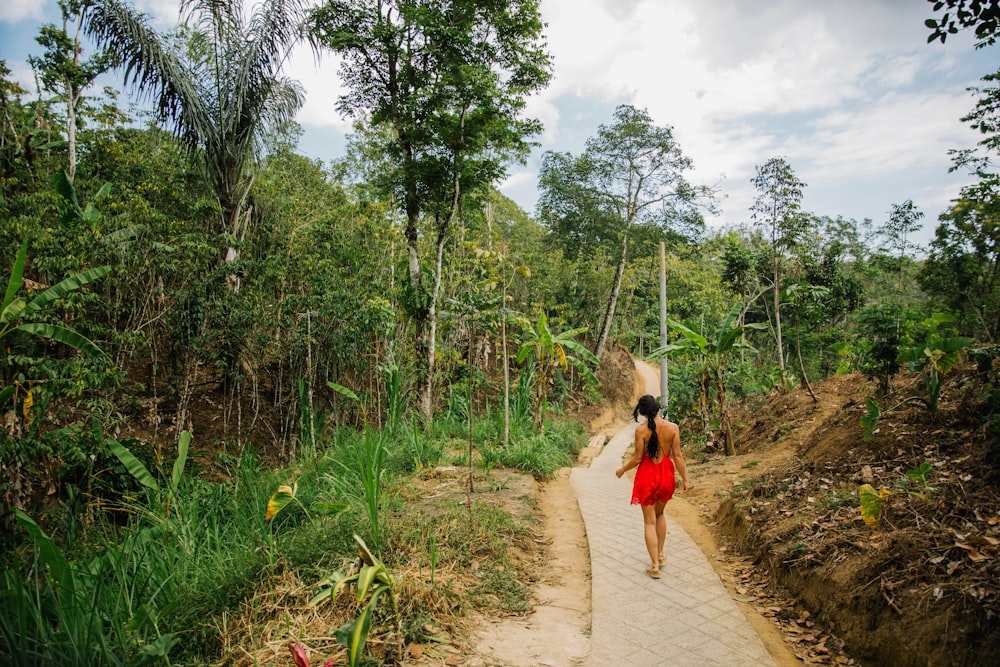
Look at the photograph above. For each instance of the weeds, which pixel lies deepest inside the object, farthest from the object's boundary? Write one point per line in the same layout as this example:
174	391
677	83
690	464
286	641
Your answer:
871	500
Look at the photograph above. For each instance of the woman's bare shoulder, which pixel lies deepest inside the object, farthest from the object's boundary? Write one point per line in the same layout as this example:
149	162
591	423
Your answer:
668	424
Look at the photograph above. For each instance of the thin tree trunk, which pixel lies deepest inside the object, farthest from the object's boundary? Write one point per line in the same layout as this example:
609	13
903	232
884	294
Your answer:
468	393
506	372
430	342
802	366
71	99
609	315
777	319
724	426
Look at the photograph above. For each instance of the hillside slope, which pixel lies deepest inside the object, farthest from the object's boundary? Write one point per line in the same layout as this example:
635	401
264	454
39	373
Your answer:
918	587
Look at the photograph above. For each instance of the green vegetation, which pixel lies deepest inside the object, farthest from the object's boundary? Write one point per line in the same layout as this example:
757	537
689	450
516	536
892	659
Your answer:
225	366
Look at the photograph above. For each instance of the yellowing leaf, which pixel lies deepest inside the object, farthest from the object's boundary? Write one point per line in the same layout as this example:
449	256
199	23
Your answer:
29	401
279	501
871	503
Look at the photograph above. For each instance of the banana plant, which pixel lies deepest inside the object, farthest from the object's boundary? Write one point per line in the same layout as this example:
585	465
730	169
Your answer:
712	355
16	311
142	474
548	350
934	357
372	581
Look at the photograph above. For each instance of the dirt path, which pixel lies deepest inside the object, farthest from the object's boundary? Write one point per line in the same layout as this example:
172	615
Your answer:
557	633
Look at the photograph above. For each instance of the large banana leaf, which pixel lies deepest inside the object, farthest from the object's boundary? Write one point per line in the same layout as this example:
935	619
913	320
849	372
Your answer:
63	335
12	311
134	465
50	555
68	285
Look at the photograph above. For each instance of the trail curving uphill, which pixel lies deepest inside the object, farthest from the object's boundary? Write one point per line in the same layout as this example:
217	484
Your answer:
596	606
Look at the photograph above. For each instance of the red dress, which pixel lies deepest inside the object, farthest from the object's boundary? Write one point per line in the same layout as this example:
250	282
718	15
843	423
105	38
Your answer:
653	481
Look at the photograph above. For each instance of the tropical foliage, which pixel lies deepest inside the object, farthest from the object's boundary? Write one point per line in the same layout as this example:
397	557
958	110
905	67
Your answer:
222	360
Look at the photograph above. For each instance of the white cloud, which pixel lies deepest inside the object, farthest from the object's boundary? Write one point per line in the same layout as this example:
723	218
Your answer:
848	91
322	85
14	11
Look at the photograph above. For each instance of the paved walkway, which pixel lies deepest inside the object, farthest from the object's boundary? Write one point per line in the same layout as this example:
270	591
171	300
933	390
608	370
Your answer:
685	618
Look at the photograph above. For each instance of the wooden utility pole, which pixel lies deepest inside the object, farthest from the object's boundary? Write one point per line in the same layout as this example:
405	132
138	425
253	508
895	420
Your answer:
664	375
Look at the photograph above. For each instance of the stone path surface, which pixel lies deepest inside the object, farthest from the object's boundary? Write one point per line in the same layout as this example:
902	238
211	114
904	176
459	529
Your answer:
686	617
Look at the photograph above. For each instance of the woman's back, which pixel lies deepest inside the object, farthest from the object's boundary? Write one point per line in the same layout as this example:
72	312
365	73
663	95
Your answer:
666	433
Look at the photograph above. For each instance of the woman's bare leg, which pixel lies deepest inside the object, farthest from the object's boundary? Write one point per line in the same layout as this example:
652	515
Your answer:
649	526
661	530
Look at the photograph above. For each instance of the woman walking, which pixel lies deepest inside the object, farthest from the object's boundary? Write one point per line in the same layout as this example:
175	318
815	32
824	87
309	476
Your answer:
657	453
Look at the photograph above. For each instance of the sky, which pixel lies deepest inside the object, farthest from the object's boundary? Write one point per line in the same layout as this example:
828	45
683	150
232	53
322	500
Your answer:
848	92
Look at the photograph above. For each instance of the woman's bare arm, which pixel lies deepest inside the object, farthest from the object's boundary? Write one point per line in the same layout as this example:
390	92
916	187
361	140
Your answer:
636	455
678	457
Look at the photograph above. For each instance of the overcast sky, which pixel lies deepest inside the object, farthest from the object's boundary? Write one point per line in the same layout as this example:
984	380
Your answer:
849	92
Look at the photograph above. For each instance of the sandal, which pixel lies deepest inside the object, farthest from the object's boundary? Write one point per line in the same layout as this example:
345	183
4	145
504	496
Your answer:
653	572
662	559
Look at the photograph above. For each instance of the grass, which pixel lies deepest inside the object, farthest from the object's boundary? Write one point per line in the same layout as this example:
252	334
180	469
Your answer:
199	582
764	486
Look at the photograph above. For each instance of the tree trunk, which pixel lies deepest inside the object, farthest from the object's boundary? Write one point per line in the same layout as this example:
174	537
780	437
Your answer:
724	426
777	319
609	315
802	366
71	99
506	373
430	339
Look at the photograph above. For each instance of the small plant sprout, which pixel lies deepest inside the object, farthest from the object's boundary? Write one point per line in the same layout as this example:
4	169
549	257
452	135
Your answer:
372	580
302	659
871	503
871	499
286	495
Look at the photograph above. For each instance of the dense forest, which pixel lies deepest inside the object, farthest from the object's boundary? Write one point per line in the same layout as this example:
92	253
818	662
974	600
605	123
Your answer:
199	322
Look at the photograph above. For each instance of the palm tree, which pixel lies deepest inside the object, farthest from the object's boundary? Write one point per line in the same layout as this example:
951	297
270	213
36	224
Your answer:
548	351
221	94
712	355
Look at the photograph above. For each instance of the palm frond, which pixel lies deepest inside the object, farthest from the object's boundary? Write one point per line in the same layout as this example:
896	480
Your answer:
152	67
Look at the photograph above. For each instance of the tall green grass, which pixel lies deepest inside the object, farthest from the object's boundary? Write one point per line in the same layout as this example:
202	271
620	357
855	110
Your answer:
153	582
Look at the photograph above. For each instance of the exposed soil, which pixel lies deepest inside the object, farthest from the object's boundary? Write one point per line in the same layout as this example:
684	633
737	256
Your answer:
920	586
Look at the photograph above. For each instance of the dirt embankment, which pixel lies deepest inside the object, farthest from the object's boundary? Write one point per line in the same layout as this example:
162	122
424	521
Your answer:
921	585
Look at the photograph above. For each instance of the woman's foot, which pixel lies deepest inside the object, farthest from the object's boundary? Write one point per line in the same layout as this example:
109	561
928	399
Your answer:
662	559
653	572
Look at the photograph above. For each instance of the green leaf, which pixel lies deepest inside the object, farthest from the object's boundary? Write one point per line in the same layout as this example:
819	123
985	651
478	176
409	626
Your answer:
582	351
159	647
353	636
919	474
63	288
104	191
132	464
12	311
343	391
329	509
65	188
16	278
182	451
63	335
366	577
696	338
869	420
585	371
49	554
6	393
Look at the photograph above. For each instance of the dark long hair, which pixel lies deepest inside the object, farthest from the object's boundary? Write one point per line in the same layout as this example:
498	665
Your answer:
649	407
